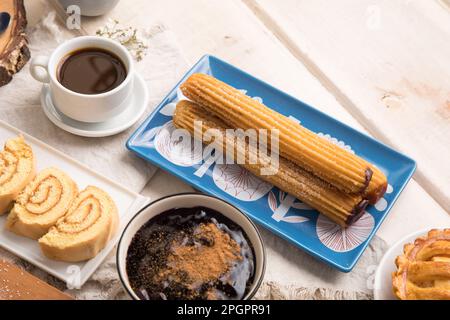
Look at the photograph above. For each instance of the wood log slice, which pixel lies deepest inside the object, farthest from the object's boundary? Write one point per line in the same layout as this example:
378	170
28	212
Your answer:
14	52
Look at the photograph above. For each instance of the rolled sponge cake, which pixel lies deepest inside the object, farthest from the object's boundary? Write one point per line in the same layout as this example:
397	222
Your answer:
17	169
42	203
84	231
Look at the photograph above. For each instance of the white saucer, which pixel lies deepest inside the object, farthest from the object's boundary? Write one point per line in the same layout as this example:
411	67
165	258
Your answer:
110	127
383	276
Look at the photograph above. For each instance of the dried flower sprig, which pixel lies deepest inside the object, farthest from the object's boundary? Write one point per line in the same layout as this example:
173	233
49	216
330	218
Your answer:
127	36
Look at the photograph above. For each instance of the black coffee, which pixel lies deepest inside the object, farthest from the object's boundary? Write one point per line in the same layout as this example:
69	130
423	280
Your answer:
91	71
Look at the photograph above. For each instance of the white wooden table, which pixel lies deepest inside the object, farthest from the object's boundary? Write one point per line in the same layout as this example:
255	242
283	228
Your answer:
381	66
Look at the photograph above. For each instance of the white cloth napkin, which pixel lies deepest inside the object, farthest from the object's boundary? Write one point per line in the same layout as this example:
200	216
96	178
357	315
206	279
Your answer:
20	104
294	274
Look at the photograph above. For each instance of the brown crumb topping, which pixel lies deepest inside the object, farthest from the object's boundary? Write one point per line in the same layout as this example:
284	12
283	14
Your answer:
211	256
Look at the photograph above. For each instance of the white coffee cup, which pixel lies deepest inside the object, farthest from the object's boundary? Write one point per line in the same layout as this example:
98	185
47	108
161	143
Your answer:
85	107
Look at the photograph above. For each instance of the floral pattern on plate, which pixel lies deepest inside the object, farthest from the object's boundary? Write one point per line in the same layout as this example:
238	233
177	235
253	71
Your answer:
239	182
176	148
146	139
341	239
283	205
382	204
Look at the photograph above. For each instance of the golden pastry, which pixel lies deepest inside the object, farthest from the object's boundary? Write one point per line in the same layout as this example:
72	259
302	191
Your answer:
17	168
39	206
423	271
84	231
303	147
340	207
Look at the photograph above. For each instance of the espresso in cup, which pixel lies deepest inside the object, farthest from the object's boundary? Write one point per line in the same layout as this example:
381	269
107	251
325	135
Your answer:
91	79
91	71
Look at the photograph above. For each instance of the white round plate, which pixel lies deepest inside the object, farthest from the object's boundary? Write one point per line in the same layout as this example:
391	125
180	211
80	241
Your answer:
383	276
110	127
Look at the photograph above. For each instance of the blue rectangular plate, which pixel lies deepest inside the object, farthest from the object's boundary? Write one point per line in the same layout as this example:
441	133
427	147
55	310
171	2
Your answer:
265	204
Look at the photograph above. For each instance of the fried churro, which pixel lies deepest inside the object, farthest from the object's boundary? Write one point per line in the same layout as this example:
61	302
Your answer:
340	207
340	168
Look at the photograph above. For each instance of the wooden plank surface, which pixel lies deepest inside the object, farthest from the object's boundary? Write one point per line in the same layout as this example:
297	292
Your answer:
387	62
255	49
6	6
230	31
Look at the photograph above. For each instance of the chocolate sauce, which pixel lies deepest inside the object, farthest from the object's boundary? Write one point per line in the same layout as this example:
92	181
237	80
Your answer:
156	265
91	71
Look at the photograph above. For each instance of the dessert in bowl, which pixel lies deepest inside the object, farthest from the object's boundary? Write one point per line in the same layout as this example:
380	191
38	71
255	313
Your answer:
190	247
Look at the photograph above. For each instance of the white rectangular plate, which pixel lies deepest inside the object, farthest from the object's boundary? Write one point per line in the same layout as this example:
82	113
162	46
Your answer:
128	203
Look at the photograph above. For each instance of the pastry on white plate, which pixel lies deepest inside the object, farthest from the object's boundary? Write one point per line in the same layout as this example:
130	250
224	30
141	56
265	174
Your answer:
42	203
84	231
17	169
423	270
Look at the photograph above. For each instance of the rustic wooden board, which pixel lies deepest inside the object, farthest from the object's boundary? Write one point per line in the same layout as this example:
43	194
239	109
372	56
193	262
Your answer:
386	62
14	53
7	6
17	284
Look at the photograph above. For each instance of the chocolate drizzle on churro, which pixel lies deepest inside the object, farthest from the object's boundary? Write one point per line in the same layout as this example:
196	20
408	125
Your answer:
357	211
368	174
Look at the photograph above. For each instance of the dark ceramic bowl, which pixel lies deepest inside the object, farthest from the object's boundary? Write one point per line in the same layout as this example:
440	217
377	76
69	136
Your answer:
189	200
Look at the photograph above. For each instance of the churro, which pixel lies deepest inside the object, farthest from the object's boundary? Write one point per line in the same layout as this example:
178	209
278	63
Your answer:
340	207
342	169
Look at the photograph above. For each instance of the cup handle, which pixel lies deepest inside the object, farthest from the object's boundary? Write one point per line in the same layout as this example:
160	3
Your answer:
39	69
